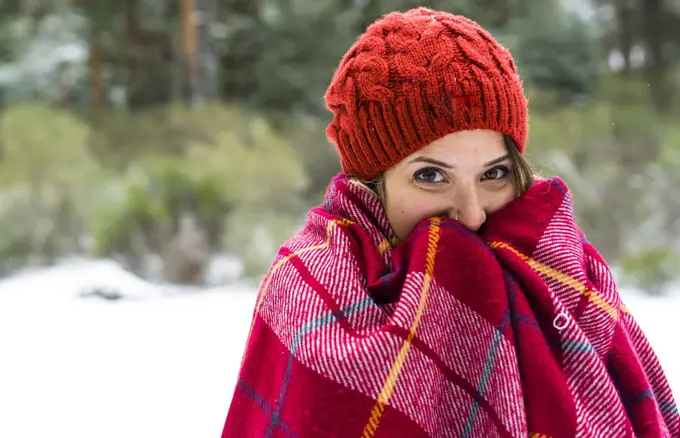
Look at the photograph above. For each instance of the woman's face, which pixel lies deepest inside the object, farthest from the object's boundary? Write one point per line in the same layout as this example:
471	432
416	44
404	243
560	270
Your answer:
466	176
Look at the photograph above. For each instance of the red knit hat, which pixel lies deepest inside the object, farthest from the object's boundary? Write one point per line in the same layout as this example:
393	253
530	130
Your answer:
414	77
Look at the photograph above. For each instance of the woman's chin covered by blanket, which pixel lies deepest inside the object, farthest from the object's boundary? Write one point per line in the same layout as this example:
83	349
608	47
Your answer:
442	289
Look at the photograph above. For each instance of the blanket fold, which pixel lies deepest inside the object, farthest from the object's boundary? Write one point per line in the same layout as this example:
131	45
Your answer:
517	332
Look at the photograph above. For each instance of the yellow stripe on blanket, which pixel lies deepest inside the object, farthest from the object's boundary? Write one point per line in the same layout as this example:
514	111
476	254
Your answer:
384	246
391	380
561	277
387	244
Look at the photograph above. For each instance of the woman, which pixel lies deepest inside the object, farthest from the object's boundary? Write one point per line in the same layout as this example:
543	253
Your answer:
441	290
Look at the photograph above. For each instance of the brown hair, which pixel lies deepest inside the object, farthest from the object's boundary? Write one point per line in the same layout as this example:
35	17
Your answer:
523	173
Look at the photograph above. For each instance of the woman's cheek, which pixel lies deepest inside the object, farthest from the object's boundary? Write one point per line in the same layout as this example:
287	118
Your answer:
501	200
413	211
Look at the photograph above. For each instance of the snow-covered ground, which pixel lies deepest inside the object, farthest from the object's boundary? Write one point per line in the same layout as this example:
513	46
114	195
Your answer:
156	364
160	364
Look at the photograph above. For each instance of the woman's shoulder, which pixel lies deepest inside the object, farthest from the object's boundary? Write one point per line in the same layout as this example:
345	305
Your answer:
321	232
317	262
320	248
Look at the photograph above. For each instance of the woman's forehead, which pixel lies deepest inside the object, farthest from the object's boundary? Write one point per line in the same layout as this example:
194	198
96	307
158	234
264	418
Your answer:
479	145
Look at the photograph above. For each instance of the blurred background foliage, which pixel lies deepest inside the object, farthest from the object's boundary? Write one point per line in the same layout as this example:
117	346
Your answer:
166	133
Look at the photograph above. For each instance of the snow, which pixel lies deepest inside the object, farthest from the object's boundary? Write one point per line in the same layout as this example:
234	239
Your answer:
158	362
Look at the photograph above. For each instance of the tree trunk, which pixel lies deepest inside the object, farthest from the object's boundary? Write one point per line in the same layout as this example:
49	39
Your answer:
148	61
657	67
199	58
207	61
625	32
188	17
96	80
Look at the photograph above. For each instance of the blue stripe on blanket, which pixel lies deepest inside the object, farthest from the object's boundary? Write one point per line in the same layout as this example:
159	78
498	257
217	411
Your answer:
578	346
262	403
509	317
486	372
330	196
631	399
669	407
317	323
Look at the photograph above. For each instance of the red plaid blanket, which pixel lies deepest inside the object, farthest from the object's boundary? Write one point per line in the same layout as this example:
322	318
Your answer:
517	332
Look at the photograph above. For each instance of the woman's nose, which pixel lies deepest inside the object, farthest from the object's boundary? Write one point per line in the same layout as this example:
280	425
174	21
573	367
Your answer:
469	210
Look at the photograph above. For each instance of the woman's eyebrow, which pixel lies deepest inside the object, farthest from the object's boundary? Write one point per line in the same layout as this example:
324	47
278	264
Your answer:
497	160
431	161
449	166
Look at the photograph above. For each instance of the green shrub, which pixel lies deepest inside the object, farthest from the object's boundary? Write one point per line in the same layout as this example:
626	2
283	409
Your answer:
48	183
250	172
256	238
652	269
20	239
128	227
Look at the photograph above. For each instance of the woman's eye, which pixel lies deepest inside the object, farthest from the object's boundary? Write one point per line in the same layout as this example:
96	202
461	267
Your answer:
498	172
429	175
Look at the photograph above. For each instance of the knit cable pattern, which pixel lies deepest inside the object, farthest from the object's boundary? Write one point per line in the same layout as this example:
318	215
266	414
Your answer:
415	77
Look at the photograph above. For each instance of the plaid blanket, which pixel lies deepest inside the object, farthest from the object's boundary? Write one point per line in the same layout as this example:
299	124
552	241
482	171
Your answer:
516	332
